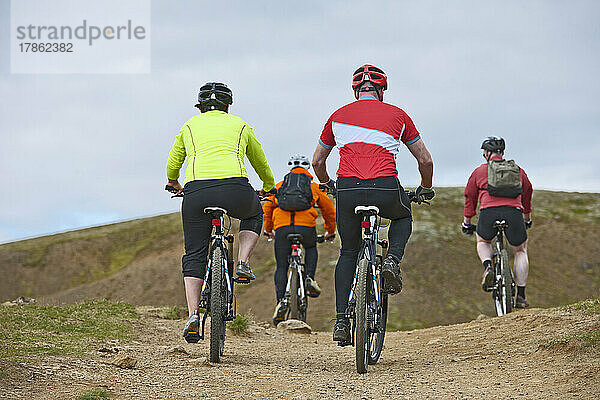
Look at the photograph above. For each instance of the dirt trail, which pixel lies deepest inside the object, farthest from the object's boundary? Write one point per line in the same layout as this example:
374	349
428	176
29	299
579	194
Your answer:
465	361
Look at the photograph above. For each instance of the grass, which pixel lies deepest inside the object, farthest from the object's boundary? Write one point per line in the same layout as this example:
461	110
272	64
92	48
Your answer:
590	306
57	330
580	340
93	394
240	324
174	312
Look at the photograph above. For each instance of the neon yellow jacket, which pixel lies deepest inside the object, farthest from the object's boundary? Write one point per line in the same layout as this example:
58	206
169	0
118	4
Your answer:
215	144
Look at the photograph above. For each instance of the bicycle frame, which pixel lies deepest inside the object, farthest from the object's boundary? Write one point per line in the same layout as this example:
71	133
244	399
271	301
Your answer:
368	250
499	280
224	241
295	265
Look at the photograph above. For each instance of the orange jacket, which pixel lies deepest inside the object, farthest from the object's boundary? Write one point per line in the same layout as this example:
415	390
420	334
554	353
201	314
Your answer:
274	217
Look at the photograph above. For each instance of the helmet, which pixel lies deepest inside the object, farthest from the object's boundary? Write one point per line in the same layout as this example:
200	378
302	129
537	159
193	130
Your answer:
369	73
214	96
298	160
494	144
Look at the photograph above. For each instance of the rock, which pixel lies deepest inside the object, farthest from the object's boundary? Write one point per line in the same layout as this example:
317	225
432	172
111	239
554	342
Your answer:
434	341
19	301
586	267
176	350
295	326
481	317
124	361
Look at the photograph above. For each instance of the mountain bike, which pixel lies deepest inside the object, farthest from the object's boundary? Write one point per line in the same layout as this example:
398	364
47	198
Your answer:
218	298
503	290
368	301
295	299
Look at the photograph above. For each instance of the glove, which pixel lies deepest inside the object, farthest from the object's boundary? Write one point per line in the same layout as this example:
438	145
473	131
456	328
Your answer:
425	193
528	224
328	187
468	229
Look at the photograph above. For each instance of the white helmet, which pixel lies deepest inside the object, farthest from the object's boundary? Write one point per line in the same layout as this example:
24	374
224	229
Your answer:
298	160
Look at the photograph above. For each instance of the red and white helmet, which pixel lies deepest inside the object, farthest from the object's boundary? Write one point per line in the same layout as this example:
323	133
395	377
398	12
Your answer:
369	73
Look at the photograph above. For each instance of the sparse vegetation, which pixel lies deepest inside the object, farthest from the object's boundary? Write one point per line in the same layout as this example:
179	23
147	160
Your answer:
581	341
240	324
93	394
69	329
174	312
590	306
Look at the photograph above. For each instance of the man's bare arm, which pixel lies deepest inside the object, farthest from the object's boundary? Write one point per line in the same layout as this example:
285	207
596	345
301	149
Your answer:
319	163
421	154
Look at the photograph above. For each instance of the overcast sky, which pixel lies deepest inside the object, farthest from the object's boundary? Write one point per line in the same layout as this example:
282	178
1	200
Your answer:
81	149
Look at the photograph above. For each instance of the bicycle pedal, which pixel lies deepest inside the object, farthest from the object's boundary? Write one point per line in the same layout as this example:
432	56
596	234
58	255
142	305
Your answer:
193	337
344	344
242	279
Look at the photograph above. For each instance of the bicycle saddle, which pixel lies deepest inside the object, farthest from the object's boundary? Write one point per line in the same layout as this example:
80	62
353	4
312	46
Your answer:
366	210
216	211
295	237
500	224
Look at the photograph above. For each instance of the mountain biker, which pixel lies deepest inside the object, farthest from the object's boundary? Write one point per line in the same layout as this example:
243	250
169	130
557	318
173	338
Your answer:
368	133
215	144
279	223
516	211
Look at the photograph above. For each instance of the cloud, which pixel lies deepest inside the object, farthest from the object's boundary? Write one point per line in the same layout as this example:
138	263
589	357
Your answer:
96	145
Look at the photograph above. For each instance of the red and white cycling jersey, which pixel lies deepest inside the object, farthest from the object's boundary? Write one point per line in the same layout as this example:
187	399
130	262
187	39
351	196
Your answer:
368	133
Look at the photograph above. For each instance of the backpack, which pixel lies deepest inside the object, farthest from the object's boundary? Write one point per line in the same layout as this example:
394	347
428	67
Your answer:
295	193
504	179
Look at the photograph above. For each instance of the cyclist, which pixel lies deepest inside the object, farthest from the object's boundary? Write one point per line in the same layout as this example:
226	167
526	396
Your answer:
215	143
368	133
280	223
516	211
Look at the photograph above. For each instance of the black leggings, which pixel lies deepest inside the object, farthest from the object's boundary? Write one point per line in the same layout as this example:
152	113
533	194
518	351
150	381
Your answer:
388	195
234	195
282	251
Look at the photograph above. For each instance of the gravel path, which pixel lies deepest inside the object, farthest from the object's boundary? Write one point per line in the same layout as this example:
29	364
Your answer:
504	357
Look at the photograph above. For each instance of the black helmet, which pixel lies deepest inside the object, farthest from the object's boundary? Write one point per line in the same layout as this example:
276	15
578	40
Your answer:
214	96
494	144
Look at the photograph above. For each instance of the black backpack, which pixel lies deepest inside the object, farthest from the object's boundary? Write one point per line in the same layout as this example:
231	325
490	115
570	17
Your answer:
295	193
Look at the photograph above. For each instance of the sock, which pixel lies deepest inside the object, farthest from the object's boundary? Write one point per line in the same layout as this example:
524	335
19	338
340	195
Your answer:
487	263
521	291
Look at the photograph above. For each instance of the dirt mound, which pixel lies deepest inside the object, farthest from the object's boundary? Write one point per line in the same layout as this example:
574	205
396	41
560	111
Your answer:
507	357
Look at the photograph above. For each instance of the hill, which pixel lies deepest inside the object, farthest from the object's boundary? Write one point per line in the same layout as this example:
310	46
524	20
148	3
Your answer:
139	262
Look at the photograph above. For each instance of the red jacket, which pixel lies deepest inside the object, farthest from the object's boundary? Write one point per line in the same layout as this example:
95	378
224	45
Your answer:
475	191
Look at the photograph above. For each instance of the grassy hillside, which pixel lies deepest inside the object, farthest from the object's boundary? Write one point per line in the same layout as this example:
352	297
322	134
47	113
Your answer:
139	262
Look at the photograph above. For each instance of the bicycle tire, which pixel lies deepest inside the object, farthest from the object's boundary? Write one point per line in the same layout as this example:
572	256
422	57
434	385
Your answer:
496	293
361	325
507	282
217	304
297	309
378	337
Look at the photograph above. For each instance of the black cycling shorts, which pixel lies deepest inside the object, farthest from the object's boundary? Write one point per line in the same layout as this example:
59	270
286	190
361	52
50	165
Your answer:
235	195
516	232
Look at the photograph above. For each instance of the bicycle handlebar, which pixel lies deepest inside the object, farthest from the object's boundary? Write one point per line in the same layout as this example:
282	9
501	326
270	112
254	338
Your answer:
273	191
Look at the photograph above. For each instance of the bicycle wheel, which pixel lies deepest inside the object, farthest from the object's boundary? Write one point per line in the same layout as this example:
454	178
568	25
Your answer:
217	306
378	332
362	346
297	304
497	292
507	282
